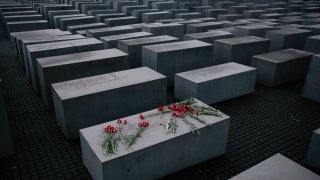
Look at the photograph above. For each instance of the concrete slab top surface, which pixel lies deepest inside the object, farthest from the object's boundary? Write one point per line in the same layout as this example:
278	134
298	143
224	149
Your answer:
147	40
62	44
277	167
51	38
27	22
125	36
79	57
110	29
261	26
289	31
175	46
86	25
95	84
206	24
154	134
242	40
209	34
161	25
214	72
283	55
27	34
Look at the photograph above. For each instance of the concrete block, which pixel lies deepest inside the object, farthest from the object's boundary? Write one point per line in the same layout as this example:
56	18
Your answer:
128	9
203	27
187	16
313	156
139	13
239	50
41	40
172	29
51	14
287	38
65	22
120	21
133	47
209	37
109	31
253	30
214	12
311	88
57	48
102	17
155	148
277	167
57	19
153	16
62	68
89	101
281	67
168	58
216	83
229	17
112	41
312	44
19	26
75	28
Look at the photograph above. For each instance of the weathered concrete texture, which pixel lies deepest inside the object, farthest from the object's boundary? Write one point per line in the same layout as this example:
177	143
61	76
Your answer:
313	156
112	41
50	49
229	17
171	29
216	83
312	85
56	69
109	31
281	67
239	50
89	101
171	58
288	38
128	9
148	158
277	167
209	36
203	27
7	146
134	47
313	44
252	30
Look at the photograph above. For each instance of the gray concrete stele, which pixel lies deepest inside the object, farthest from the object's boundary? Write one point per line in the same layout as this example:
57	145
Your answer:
216	83
155	153
89	101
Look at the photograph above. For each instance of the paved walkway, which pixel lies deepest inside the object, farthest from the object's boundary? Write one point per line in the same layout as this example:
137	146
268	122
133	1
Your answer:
269	121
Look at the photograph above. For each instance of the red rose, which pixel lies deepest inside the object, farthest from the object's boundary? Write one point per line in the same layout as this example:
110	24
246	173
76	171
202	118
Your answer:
119	121
174	107
161	108
125	121
141	116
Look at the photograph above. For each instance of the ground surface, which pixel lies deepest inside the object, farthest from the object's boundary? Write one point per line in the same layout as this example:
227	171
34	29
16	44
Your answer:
269	121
